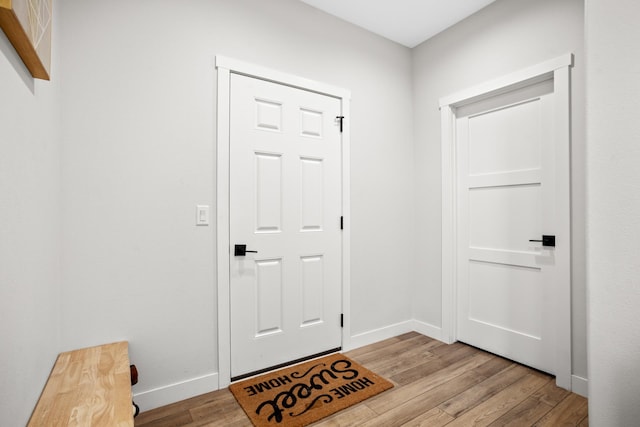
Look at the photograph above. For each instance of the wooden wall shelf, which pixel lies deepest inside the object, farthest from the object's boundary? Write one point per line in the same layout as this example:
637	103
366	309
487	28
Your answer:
27	25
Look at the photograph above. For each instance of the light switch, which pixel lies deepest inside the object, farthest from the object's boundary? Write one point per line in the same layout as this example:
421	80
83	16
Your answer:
202	215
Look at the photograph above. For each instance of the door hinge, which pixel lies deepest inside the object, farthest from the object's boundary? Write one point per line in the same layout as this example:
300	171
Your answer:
341	223
341	119
341	320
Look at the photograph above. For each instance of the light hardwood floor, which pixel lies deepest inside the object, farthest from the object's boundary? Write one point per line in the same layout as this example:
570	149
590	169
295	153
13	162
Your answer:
435	385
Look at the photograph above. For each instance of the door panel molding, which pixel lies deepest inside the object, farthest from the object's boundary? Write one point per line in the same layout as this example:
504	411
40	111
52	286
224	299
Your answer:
225	67
557	70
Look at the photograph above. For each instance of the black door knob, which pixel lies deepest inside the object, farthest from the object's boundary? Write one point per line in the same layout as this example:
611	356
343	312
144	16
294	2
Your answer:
547	240
241	250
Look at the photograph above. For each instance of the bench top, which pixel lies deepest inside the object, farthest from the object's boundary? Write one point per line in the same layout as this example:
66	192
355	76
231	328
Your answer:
88	387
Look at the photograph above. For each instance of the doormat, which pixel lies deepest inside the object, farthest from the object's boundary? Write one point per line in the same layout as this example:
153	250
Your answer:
302	394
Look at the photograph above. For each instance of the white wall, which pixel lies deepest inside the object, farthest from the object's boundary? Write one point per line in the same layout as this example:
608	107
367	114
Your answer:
29	236
506	36
138	128
613	228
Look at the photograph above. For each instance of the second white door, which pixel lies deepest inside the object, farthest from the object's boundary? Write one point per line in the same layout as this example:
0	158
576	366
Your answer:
285	204
506	198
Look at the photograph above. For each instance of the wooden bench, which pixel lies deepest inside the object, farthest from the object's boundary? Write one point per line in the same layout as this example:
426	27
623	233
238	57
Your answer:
88	387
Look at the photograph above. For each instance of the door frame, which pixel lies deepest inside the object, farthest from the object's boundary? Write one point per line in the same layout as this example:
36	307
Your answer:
225	67
557	69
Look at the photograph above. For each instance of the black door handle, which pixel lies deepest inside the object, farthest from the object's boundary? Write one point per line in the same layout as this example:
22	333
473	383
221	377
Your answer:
241	250
547	240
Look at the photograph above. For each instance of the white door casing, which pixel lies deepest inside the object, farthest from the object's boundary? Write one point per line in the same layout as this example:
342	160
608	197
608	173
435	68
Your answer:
285	204
476	253
227	69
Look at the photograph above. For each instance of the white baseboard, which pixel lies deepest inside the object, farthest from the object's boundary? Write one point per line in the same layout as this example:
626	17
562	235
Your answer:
371	337
172	393
427	329
381	334
580	385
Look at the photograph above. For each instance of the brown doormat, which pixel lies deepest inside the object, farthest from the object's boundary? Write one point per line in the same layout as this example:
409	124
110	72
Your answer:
302	394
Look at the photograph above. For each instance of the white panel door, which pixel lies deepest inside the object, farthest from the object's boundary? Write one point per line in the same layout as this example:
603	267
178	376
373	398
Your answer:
285	204
506	197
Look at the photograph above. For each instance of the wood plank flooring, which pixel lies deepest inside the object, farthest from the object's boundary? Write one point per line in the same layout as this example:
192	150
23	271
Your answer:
435	385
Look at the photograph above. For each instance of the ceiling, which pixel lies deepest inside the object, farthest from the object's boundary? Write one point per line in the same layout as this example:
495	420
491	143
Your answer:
408	22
